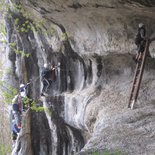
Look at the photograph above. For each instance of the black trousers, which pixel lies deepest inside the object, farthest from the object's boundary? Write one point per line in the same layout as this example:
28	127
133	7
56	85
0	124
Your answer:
141	46
46	84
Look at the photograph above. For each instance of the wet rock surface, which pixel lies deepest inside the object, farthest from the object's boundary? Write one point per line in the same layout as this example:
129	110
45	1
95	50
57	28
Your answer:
86	110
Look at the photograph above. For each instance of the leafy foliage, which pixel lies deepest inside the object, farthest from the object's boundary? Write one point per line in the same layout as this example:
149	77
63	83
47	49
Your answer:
36	108
32	104
5	149
8	92
64	36
2	29
21	52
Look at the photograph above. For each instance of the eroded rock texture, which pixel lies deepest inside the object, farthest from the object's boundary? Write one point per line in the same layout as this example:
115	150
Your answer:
93	41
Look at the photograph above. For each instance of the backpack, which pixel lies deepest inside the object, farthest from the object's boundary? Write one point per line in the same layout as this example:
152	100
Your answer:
46	74
15	107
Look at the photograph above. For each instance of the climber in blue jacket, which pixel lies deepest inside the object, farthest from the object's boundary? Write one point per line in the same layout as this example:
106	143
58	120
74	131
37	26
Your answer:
15	128
15	132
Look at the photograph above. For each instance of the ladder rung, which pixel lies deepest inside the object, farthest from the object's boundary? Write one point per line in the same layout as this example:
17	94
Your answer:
138	77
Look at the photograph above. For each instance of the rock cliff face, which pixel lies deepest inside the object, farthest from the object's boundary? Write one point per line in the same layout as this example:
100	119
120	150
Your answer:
92	42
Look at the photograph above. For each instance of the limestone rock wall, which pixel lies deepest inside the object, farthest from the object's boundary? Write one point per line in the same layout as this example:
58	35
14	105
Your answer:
86	110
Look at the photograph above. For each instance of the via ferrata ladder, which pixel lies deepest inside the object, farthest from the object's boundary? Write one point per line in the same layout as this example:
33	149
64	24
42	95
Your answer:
138	77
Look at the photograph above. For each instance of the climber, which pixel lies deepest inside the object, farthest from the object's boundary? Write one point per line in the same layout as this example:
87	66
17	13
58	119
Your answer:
23	89
46	77
23	95
16	107
15	128
15	131
140	41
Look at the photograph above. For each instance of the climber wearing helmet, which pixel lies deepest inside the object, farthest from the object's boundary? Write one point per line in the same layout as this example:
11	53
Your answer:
23	89
23	95
46	75
140	40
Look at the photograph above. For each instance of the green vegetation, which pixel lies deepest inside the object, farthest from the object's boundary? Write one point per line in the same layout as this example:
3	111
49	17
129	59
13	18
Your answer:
64	37
5	134
24	26
8	92
4	150
52	30
3	6
21	52
2	33
20	9
36	108
33	105
23	23
8	71
2	29
27	102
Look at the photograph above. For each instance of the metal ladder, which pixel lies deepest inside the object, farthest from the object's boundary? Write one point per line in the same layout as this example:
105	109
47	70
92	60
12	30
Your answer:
138	77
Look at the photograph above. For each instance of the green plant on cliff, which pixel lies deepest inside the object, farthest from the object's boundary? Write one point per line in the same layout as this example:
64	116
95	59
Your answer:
27	102
21	52
52	30
2	33
3	6
28	24
36	108
33	106
8	92
23	26
20	9
64	36
2	29
23	21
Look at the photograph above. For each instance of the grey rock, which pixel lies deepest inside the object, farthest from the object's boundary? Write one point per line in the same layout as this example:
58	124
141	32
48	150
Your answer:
86	109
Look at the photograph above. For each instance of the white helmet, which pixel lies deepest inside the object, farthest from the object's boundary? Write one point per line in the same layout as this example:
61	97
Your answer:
21	85
140	25
45	65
